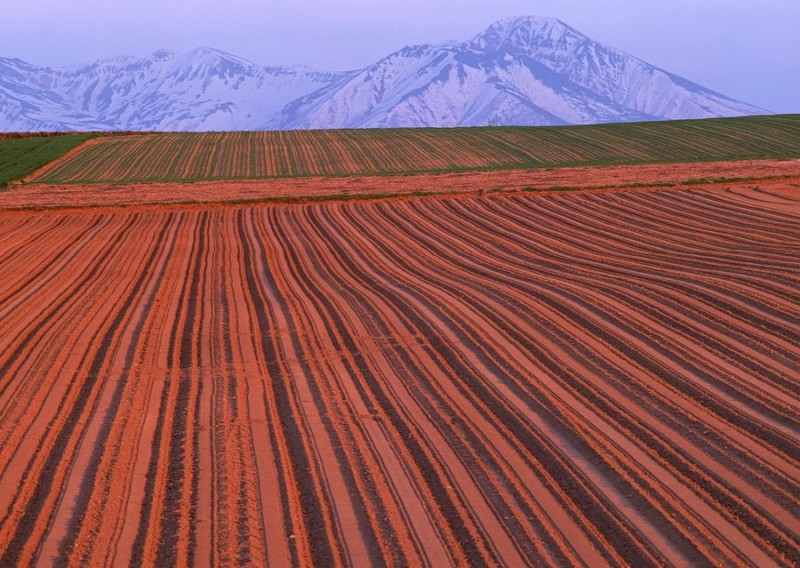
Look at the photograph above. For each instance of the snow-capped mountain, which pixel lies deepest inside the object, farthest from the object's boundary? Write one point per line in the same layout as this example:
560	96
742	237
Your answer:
205	89
527	71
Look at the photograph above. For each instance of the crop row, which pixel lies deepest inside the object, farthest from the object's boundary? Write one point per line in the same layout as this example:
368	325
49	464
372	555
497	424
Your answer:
236	155
574	379
22	155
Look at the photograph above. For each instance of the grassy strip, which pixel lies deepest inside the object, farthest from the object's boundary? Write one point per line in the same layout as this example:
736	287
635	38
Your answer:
20	157
345	197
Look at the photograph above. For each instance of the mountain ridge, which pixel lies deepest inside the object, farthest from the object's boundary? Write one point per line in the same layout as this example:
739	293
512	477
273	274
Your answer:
519	71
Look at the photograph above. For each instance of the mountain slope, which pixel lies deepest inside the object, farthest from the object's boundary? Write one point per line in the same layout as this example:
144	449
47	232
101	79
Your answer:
205	89
520	71
606	71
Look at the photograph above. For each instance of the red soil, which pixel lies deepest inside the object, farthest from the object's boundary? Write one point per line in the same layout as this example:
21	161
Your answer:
67	195
596	378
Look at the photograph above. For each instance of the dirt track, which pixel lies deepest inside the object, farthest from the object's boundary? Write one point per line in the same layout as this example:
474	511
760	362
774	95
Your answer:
603	378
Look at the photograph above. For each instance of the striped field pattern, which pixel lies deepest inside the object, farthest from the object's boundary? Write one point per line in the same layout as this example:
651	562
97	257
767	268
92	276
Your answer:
23	154
569	379
239	155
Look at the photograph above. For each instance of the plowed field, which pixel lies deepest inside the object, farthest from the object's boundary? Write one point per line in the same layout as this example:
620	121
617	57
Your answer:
594	378
758	173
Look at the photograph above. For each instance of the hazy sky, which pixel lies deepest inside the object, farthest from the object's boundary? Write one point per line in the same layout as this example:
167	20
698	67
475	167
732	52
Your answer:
746	49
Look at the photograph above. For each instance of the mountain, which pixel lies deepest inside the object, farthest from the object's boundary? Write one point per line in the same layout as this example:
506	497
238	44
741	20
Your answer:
519	71
205	89
536	71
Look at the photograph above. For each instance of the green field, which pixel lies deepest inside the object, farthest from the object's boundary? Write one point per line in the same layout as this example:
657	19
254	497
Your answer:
20	157
187	157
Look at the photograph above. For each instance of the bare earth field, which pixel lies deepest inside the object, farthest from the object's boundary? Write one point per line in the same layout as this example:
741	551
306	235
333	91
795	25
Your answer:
585	378
35	195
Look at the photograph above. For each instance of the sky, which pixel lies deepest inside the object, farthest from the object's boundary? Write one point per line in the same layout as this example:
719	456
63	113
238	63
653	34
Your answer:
746	49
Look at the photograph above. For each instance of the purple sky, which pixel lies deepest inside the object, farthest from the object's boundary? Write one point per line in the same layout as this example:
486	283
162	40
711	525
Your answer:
746	49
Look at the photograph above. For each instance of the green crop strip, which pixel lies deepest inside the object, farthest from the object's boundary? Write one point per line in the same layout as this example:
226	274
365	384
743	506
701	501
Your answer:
20	157
188	157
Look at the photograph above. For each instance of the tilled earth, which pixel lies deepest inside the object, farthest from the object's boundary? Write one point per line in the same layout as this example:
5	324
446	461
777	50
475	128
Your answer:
612	178
597	378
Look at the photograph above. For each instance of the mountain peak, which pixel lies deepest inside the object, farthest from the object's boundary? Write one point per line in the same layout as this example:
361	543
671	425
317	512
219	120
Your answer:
523	34
162	55
529	22
205	52
208	62
213	56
